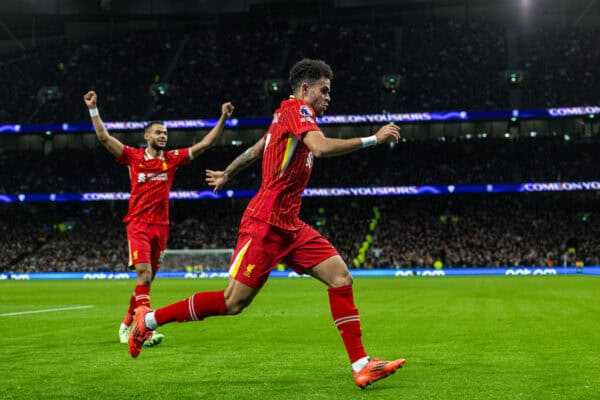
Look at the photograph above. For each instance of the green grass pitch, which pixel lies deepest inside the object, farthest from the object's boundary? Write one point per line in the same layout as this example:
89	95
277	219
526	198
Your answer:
463	338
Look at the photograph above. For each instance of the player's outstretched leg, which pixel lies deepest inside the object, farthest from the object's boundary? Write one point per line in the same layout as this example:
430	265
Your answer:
334	272
346	317
376	370
139	332
194	308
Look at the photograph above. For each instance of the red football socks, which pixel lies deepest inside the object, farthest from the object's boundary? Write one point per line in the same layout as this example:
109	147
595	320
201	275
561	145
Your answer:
346	318
142	295
194	308
129	316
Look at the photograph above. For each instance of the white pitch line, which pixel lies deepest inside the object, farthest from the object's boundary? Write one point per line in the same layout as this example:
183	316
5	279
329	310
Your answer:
47	310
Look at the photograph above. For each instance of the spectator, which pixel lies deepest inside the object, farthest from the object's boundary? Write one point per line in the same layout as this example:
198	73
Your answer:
465	231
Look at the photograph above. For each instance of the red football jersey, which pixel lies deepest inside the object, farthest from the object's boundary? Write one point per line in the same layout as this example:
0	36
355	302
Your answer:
151	181
286	166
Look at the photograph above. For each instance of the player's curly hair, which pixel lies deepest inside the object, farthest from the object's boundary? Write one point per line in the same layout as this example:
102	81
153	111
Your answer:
308	70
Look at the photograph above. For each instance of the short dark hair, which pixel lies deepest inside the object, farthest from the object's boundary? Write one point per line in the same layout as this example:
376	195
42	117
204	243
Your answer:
149	125
308	70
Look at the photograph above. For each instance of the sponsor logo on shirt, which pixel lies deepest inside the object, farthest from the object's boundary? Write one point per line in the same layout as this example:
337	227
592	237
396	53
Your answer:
142	177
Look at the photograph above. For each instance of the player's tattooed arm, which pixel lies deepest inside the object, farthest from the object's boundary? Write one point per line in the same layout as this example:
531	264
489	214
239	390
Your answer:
218	179
111	143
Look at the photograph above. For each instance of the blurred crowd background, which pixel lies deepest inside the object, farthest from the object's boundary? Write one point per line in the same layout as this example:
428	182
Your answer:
457	231
442	65
386	58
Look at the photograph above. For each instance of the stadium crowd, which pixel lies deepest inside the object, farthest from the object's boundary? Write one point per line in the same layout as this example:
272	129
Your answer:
560	59
523	230
441	64
408	163
455	231
446	65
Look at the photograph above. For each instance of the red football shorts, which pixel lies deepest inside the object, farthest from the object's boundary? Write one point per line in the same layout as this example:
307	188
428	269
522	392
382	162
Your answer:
147	243
261	246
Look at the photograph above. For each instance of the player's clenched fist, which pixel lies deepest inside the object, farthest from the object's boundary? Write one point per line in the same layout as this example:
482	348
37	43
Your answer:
388	133
227	109
90	99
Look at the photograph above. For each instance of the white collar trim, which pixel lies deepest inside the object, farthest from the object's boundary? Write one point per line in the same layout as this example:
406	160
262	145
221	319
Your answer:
148	156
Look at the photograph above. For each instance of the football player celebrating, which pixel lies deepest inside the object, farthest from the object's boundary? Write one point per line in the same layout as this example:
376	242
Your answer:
271	231
151	171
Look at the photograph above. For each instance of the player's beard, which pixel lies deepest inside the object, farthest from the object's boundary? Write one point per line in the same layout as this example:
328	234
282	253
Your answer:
320	111
157	147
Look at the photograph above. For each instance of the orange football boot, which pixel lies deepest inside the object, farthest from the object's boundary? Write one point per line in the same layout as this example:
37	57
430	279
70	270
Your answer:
139	333
376	370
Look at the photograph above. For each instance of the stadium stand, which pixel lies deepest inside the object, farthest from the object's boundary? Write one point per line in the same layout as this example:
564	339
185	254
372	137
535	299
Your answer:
455	161
451	72
459	231
560	68
446	64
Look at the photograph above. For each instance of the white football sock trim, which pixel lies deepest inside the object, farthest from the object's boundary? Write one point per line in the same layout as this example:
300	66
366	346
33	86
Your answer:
150	321
360	364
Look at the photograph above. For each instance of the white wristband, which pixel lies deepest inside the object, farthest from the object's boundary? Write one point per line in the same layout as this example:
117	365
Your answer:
368	141
94	112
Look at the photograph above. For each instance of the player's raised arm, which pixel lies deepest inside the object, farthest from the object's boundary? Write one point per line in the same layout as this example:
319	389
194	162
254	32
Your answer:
218	179
211	137
111	143
322	146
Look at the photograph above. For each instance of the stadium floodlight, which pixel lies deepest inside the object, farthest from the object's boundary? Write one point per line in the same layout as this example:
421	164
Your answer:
585	217
273	86
47	94
514	78
391	82
160	89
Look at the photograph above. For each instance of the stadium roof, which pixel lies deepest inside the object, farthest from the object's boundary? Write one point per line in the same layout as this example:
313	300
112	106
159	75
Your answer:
158	7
